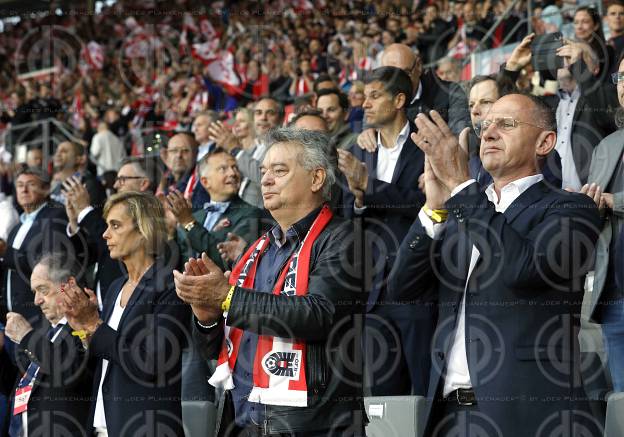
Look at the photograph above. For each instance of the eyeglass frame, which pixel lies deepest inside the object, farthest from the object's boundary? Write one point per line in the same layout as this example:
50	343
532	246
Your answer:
122	179
616	76
485	124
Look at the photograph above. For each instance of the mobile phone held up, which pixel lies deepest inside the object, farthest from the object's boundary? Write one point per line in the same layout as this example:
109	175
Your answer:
544	52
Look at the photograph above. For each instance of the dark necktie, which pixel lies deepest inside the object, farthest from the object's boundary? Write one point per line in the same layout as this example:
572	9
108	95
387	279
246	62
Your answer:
15	427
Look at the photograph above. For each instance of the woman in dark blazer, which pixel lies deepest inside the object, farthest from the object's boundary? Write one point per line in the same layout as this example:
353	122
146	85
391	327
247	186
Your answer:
139	337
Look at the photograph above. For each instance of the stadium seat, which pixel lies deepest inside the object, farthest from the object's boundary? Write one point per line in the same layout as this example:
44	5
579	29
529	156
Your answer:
614	426
199	418
395	416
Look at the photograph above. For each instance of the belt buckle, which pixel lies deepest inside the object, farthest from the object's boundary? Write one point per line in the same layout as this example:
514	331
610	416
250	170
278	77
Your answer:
460	402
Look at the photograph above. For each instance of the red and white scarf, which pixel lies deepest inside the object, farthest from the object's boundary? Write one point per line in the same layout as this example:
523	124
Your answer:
279	368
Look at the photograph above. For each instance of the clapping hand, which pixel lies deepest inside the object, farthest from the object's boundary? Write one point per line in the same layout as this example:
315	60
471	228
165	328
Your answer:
79	306
447	155
232	248
203	286
179	207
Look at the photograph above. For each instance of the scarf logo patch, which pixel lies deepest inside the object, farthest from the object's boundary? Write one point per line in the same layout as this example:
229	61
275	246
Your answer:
285	364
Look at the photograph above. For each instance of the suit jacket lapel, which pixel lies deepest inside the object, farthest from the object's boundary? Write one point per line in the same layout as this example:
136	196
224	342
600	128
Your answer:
606	160
532	195
408	156
370	159
138	291
111	298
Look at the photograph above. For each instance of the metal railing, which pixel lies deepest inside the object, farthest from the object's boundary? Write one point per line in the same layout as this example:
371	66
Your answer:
44	134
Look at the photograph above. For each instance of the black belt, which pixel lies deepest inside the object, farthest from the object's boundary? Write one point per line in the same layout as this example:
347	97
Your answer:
462	396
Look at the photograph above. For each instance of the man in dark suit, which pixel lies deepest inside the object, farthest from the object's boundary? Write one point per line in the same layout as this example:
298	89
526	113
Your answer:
483	91
383	193
68	160
508	266
428	92
225	213
51	364
41	229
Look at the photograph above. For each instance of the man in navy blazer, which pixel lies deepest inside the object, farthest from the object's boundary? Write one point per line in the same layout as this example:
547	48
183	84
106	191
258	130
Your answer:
41	229
507	265
382	191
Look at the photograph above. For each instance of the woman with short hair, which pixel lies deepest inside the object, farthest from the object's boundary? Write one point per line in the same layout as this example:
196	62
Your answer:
138	339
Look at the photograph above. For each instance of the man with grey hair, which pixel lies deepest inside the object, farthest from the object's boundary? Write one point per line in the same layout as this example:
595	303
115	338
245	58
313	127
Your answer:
293	297
225	213
268	114
49	363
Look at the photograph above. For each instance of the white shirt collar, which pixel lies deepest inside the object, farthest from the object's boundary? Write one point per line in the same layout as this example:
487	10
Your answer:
572	96
511	191
63	321
418	93
403	135
26	217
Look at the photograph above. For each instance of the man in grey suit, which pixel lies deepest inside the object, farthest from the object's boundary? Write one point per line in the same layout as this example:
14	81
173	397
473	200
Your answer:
606	176
268	114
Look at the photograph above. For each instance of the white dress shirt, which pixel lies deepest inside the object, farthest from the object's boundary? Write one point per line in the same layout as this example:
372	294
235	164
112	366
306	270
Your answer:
99	418
457	373
387	157
27	220
565	124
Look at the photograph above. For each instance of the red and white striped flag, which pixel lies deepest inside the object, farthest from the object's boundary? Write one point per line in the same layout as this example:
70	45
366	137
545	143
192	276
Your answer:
222	70
94	55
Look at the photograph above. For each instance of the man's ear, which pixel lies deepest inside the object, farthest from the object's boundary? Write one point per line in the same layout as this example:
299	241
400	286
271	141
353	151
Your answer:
545	143
318	179
145	184
204	181
400	101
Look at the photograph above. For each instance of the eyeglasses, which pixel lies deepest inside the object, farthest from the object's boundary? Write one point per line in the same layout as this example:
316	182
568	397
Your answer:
617	78
504	123
122	179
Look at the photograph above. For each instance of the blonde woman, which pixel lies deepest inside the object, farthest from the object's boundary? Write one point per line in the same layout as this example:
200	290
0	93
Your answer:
243	128
138	339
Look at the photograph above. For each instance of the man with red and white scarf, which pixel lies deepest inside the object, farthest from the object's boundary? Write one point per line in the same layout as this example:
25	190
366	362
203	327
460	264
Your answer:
284	323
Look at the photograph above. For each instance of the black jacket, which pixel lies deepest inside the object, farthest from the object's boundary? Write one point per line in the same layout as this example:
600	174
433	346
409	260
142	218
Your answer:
47	234
448	98
92	226
61	396
390	208
522	301
141	389
326	320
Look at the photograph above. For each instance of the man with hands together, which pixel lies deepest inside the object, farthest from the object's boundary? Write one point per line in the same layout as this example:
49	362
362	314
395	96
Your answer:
289	301
507	263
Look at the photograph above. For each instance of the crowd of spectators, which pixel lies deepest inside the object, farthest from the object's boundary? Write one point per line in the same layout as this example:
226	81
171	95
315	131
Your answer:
160	146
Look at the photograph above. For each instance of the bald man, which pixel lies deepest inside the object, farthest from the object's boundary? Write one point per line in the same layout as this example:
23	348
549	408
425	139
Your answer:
429	92
179	157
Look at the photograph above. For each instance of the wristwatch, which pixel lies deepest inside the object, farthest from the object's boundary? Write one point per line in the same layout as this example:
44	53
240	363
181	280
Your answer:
189	226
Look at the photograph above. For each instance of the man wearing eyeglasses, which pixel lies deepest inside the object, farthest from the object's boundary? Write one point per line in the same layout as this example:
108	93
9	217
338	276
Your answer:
507	264
135	174
428	92
606	178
